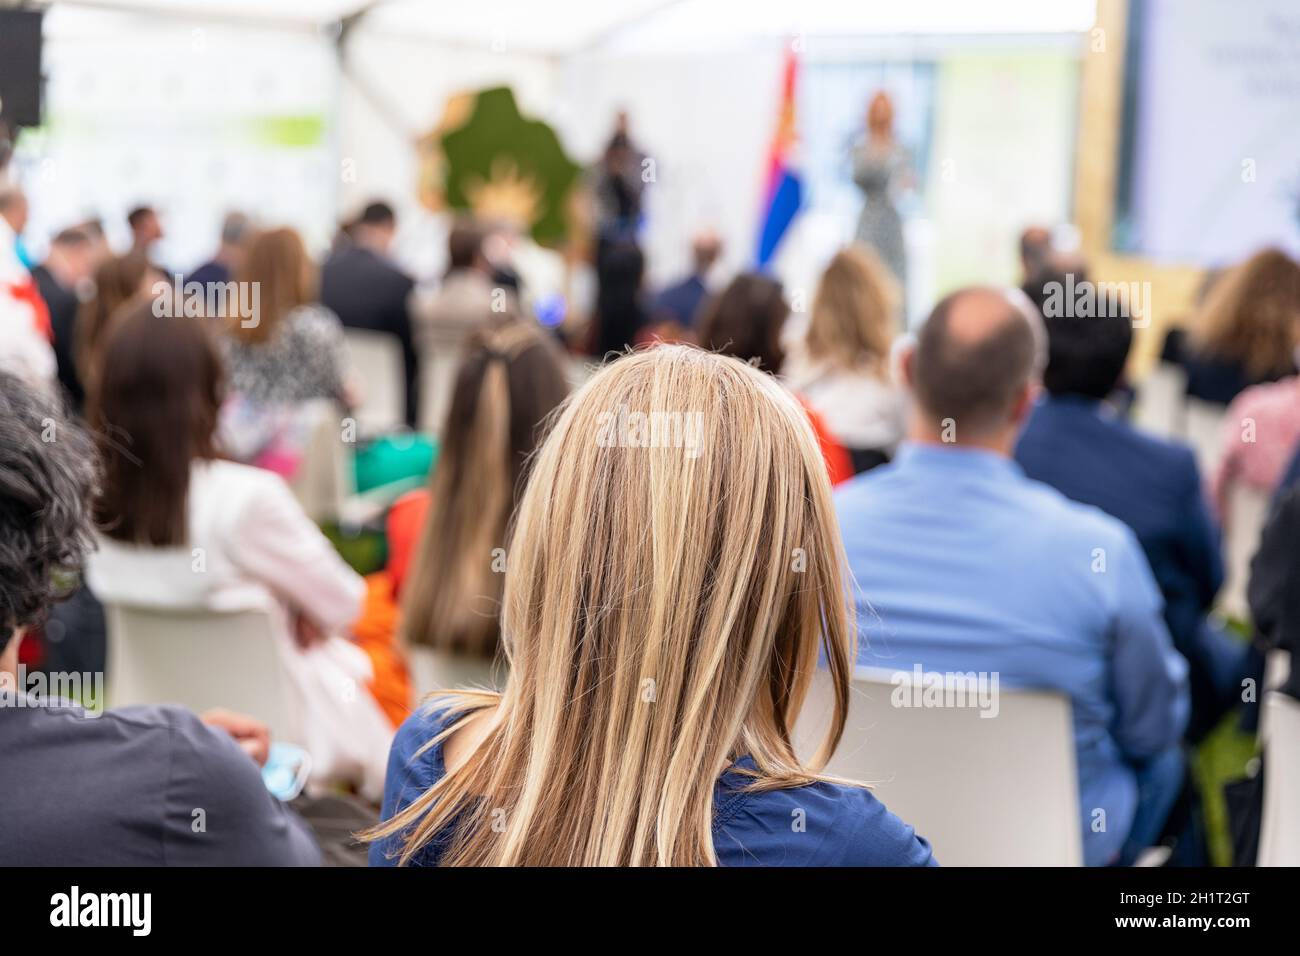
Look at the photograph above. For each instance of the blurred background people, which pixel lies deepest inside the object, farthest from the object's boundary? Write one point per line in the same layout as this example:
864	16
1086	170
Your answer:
65	273
840	362
290	354
362	286
154	411
880	169
236	232
745	321
675	308
118	790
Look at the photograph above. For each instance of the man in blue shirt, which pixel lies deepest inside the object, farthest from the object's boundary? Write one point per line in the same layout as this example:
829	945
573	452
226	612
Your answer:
1085	450
965	564
678	304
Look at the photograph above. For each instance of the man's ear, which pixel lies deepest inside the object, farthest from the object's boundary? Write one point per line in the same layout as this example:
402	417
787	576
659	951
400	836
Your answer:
901	357
1024	403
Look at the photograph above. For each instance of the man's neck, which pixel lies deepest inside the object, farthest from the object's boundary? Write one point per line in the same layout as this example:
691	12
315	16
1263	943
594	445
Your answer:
9	661
1001	442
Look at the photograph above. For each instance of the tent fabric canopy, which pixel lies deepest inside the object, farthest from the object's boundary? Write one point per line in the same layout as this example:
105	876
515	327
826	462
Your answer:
561	27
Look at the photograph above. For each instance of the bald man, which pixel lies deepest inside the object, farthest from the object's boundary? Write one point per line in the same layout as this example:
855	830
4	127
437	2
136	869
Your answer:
965	565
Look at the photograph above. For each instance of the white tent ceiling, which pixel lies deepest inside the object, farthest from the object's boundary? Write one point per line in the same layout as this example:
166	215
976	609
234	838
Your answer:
559	27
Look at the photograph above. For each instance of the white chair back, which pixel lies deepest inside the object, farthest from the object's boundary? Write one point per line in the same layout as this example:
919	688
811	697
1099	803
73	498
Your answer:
438	670
1159	407
985	791
1247	513
375	361
438	367
199	659
1279	834
324	479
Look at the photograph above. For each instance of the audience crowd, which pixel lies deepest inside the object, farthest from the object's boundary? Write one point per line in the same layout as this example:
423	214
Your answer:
623	590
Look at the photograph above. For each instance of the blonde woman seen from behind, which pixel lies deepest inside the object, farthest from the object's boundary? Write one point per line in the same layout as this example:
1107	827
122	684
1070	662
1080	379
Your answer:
662	635
839	359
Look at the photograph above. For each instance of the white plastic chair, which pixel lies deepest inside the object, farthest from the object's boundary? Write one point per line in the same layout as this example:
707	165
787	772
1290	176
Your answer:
1247	513
438	367
438	670
985	791
1159	406
324	480
1203	430
1279	834
375	360
199	659
1277	670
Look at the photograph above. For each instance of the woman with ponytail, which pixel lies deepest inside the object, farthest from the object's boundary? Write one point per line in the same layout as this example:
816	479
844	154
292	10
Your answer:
449	583
661	639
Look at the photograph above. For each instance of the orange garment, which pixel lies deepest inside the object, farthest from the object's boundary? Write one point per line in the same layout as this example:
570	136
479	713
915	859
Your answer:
404	526
839	466
375	632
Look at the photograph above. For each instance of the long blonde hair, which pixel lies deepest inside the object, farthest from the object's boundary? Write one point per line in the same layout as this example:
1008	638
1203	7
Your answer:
1252	313
670	582
854	312
508	384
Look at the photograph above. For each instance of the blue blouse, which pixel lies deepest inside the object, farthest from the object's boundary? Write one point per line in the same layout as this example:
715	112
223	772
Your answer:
821	824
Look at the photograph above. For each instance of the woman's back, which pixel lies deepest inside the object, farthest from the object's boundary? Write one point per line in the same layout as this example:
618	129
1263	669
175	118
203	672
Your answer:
820	824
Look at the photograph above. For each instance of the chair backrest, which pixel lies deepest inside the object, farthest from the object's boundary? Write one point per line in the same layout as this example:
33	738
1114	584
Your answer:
995	790
1279	834
1247	513
1203	429
1159	407
1277	670
439	364
375	360
199	659
324	480
438	670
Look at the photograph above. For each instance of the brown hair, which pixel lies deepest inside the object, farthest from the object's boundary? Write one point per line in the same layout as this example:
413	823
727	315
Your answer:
509	383
118	279
1250	315
286	279
853	312
745	321
153	412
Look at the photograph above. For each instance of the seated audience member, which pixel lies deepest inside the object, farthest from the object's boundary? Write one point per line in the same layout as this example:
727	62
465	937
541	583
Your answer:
120	788
25	337
664	576
464	300
511	379
290	354
1036	252
182	528
67	268
1274	589
236	232
366	290
1261	430
1244	331
117	280
1077	443
745	321
675	309
840	364
964	564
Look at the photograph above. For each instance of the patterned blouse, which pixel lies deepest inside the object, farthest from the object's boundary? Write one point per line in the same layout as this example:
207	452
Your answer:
302	360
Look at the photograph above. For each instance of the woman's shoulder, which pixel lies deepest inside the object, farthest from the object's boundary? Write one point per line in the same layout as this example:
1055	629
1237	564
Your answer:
314	319
823	823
